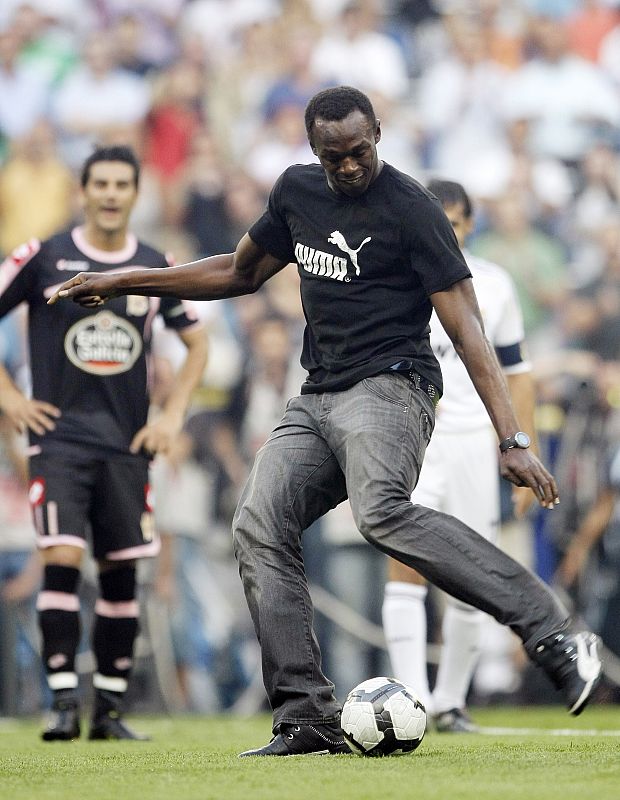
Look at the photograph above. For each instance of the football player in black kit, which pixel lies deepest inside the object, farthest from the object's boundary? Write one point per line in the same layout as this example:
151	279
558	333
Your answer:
90	442
375	253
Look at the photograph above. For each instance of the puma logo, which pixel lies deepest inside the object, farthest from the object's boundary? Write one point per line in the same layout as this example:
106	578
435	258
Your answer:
341	243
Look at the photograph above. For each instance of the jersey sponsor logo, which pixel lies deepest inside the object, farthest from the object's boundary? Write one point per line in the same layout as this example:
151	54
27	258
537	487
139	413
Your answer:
341	243
65	265
103	344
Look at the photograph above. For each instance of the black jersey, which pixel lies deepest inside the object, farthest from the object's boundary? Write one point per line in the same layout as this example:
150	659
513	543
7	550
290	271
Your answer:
367	266
90	363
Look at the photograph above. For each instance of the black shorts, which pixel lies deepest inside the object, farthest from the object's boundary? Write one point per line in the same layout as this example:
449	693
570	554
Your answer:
78	493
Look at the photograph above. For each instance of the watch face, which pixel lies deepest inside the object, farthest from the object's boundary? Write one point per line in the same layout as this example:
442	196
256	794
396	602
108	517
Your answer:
522	439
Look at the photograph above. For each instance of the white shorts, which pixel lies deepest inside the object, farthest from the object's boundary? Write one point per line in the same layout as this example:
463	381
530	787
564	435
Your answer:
460	477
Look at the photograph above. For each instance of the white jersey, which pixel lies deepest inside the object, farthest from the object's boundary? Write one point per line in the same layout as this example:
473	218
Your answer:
460	407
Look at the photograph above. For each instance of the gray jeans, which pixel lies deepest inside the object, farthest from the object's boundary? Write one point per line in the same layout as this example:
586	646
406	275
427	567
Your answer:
366	443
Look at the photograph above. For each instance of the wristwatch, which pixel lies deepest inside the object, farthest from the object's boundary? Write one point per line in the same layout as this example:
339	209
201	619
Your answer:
520	440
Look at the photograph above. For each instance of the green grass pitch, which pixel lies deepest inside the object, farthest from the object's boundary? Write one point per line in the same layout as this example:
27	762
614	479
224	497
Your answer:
537	753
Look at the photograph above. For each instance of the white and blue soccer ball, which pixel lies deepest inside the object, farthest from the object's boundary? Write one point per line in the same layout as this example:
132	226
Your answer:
383	716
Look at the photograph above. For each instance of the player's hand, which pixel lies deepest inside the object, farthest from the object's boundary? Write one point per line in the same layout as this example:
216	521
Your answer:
89	289
522	499
158	436
24	413
523	468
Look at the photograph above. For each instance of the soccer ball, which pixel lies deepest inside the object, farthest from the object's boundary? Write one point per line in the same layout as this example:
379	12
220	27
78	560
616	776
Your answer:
381	717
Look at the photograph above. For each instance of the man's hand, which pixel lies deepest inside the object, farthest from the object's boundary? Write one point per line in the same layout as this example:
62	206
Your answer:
522	468
158	436
89	289
24	413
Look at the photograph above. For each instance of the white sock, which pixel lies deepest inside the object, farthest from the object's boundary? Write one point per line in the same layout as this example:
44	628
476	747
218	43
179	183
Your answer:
404	625
461	630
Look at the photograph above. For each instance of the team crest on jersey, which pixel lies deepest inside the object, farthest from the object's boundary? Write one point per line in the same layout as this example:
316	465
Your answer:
326	265
103	344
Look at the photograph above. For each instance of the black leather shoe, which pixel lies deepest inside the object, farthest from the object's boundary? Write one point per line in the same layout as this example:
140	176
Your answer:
456	720
304	740
64	724
571	661
107	722
111	727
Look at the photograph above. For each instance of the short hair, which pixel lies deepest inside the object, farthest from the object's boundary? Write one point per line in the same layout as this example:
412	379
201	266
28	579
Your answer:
111	153
450	193
337	103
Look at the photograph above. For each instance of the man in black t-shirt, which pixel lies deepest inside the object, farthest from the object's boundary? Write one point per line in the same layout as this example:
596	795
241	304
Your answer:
375	254
90	441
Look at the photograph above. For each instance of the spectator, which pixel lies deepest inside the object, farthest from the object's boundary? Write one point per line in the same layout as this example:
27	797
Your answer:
592	314
568	100
283	142
458	101
36	189
156	22
357	52
127	32
609	54
200	194
175	116
502	24
198	613
239	86
97	99
597	198
588	25
20	568
535	261
221	24
20	575
297	81
23	90
269	383
49	36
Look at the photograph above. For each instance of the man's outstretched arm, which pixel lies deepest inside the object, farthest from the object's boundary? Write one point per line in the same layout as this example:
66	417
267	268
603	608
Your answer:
212	278
458	312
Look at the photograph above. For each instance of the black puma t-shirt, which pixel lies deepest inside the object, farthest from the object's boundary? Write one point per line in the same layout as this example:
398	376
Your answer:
367	266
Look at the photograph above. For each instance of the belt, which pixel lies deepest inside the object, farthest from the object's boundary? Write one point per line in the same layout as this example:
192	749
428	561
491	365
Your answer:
406	368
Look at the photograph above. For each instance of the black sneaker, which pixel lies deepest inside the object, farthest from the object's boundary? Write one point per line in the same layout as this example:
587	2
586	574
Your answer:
571	661
107	722
111	727
304	740
456	720
64	724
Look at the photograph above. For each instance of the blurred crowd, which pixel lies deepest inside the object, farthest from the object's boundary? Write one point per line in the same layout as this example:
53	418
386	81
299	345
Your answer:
519	100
